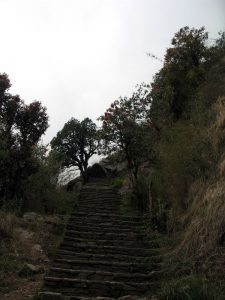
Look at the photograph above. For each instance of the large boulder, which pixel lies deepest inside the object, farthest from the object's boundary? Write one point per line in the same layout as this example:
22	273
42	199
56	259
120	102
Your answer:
30	216
74	185
113	168
97	171
29	270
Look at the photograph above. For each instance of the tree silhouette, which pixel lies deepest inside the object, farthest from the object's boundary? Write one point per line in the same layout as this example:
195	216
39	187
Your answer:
76	143
21	127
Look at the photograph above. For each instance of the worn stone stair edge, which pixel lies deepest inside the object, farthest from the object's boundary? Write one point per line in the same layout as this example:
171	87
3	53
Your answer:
111	256
108	263
120	249
151	275
103	242
59	296
114	228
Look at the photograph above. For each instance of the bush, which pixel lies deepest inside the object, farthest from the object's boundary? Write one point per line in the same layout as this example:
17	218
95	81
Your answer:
117	182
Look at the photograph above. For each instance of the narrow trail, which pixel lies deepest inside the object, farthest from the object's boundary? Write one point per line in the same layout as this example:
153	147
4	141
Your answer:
104	253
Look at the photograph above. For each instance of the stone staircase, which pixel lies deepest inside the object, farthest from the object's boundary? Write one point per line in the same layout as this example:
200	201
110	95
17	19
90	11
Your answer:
104	253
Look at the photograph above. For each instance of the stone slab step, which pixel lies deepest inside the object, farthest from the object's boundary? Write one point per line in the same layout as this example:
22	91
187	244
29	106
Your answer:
107	216
94	220
132	251
67	254
98	200
109	229
116	267
103	215
112	198
96	210
99	190
102	276
106	224
93	204
106	235
68	286
100	204
99	195
104	242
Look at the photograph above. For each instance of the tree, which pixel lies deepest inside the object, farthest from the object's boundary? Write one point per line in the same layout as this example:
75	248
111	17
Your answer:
76	143
21	127
182	73
125	128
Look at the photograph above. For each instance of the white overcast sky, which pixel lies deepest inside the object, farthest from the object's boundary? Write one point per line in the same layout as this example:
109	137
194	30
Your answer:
77	56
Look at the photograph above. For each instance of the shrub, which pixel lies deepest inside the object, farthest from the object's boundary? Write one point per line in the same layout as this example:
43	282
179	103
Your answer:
117	182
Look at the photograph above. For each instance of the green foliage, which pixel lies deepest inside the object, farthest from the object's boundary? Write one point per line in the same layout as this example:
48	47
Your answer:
21	127
128	203
41	191
181	148
125	129
183	95
117	182
182	72
76	143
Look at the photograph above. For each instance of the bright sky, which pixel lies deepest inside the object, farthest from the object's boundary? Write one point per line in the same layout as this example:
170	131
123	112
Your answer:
77	56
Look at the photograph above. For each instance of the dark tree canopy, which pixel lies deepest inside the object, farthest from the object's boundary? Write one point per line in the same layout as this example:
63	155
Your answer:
124	128
76	143
21	127
182	72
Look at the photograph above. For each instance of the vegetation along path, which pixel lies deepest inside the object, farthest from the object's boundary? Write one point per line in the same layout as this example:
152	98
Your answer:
104	253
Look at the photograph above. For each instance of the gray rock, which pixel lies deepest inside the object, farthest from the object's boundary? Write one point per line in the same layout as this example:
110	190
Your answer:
113	167
74	185
30	216
29	269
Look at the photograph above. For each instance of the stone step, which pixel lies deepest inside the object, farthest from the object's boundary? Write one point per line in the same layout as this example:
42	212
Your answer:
99	205
132	251
90	206
97	210
106	224
115	267
109	229
105	235
106	257
99	190
95	220
105	253
95	204
98	186
103	196
78	287
113	216
101	276
104	242
99	199
100	194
